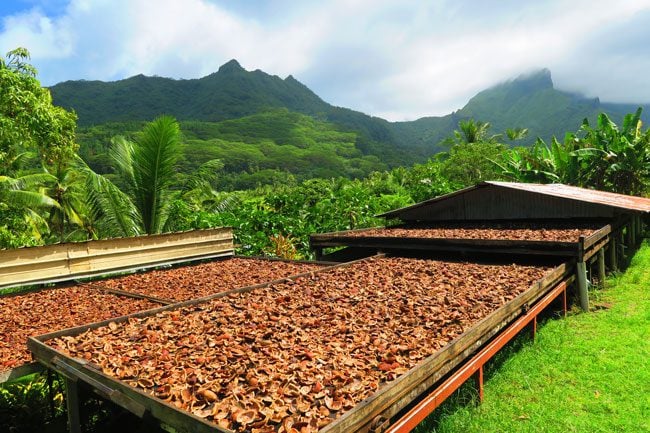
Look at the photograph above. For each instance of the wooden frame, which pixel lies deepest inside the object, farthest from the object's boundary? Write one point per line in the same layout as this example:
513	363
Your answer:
384	404
513	247
35	367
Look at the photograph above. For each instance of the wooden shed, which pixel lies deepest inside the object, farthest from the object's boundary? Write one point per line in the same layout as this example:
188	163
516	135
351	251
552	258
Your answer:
493	201
501	205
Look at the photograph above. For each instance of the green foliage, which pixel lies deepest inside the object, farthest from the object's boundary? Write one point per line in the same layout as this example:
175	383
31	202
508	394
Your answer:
470	163
260	149
28	120
267	220
26	404
15	229
604	157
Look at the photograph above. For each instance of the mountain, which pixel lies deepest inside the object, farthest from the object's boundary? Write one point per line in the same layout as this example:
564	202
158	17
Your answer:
230	93
529	101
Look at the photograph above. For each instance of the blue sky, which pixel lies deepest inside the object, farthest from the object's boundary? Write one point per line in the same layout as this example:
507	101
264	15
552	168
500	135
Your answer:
397	59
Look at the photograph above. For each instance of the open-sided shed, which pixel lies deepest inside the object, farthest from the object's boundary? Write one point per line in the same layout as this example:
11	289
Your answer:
503	206
494	201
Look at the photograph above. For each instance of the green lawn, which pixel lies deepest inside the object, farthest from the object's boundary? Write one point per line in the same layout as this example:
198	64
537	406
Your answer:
586	373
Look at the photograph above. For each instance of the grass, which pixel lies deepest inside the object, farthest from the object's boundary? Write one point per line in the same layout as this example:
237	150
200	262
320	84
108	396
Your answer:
586	373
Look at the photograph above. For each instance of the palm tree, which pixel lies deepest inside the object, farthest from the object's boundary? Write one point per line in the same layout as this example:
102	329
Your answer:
66	186
516	133
473	131
23	194
147	166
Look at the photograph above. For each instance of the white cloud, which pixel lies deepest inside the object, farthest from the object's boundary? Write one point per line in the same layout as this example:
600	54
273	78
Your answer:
397	59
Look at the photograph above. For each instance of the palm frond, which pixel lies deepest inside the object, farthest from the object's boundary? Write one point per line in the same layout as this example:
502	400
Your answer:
155	155
113	211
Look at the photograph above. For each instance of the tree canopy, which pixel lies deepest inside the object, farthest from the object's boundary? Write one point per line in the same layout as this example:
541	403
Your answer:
28	120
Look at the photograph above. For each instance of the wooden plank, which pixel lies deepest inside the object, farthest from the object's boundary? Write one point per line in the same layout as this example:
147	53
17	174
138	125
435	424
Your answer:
594	249
395	395
380	243
18	372
597	236
74	260
182	421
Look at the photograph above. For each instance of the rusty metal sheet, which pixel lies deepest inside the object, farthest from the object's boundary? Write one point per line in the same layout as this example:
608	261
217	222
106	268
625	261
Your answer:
621	201
510	200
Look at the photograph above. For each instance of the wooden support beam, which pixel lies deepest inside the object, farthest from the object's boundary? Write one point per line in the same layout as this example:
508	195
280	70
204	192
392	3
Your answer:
613	263
621	246
629	240
581	279
601	267
72	404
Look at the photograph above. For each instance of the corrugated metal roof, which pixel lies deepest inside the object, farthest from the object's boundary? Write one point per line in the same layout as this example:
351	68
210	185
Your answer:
610	199
620	201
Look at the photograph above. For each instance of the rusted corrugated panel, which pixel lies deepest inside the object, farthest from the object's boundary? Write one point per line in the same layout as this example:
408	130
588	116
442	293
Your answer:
507	200
620	201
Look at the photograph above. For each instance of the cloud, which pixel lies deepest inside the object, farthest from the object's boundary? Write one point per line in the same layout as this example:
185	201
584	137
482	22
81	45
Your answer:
396	59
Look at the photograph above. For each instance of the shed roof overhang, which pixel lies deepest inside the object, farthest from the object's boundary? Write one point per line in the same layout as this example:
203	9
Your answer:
622	202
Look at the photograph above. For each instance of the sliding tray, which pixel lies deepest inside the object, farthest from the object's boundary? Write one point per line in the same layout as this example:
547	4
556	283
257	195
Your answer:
336	350
578	243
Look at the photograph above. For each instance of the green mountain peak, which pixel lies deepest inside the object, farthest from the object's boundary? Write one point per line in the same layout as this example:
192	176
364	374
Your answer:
232	66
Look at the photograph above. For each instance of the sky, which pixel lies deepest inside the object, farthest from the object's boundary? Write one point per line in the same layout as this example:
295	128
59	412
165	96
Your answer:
396	59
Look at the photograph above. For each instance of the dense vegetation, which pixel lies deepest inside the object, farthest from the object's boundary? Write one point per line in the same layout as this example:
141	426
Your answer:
275	176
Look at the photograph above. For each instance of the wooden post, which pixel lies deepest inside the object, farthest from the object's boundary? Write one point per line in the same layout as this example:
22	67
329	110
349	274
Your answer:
629	240
633	231
72	404
613	264
601	266
581	278
621	245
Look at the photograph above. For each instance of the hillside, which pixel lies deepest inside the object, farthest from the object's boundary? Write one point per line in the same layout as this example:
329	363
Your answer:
529	101
230	93
274	146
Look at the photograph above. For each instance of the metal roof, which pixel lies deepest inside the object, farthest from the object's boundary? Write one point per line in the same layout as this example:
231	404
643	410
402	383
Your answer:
610	199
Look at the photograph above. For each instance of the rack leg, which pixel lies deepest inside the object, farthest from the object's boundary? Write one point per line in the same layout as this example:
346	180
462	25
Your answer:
613	264
478	377
581	277
533	328
601	267
72	403
50	391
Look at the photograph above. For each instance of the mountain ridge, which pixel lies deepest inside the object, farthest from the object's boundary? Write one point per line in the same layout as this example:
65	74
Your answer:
528	101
